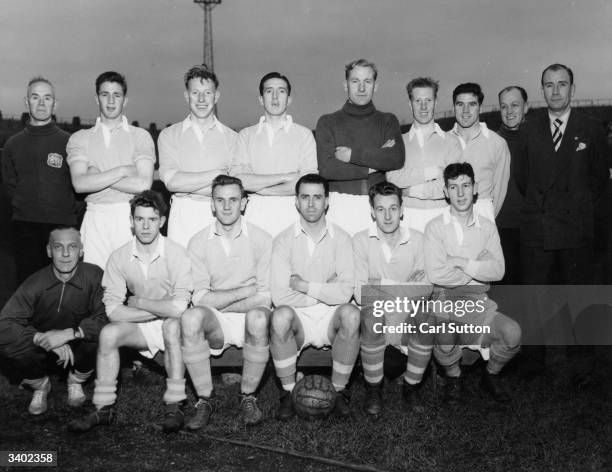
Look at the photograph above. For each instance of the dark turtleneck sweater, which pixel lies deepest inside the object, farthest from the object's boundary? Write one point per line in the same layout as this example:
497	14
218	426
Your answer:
36	175
364	129
510	214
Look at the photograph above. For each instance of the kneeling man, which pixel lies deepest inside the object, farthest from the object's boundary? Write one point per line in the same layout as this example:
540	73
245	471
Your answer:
462	255
231	270
56	314
157	271
311	279
389	266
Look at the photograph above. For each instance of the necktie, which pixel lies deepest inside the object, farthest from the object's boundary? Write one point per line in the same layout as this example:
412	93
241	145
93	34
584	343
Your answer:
557	135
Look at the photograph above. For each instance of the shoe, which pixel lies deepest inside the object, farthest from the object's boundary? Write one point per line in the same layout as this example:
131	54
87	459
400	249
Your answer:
411	395
201	417
174	417
76	397
38	405
285	410
341	407
452	390
103	416
492	384
249	411
373	403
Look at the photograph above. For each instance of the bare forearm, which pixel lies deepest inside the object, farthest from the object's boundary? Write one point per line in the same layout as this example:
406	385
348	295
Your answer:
129	314
257	182
249	303
220	299
192	182
132	185
89	183
285	189
160	308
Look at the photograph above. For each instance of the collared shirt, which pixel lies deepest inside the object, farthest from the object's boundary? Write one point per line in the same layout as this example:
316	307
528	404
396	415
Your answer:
446	236
489	156
325	263
43	302
106	148
422	170
220	263
374	259
185	147
263	150
167	274
564	118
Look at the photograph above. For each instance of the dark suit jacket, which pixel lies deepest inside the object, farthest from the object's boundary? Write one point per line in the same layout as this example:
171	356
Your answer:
560	188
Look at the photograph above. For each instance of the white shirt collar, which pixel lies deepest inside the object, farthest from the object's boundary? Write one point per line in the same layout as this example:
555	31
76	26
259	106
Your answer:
404	232
412	132
298	229
189	122
285	124
106	131
563	118
483	129
448	217
160	250
243	229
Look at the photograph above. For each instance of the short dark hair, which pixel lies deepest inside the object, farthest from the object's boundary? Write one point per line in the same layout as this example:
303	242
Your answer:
149	199
384	188
452	171
223	179
359	63
202	72
555	67
312	179
468	87
521	90
63	228
111	76
274	75
422	82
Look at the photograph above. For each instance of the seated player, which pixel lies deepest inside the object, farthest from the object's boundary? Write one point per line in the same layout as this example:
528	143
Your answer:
231	267
157	271
311	280
463	254
56	314
389	261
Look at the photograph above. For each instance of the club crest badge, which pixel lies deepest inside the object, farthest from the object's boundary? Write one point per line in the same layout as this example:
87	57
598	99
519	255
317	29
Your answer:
54	160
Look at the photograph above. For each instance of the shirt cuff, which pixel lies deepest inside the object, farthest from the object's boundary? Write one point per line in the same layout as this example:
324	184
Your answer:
314	289
389	282
180	305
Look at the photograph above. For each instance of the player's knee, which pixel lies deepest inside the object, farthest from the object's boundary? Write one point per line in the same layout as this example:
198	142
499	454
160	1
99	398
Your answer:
280	322
257	321
171	330
350	319
109	337
191	321
512	334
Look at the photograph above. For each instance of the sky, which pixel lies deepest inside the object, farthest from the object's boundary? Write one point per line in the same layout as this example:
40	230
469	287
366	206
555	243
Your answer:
154	42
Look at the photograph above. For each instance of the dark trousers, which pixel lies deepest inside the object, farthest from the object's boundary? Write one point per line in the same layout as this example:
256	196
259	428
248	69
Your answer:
34	362
511	246
30	247
557	267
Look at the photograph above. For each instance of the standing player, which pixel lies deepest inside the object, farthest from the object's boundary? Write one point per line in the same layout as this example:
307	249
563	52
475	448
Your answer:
462	255
428	151
272	155
56	314
37	179
157	272
110	162
513	107
390	257
355	146
192	153
487	153
311	279
231	268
